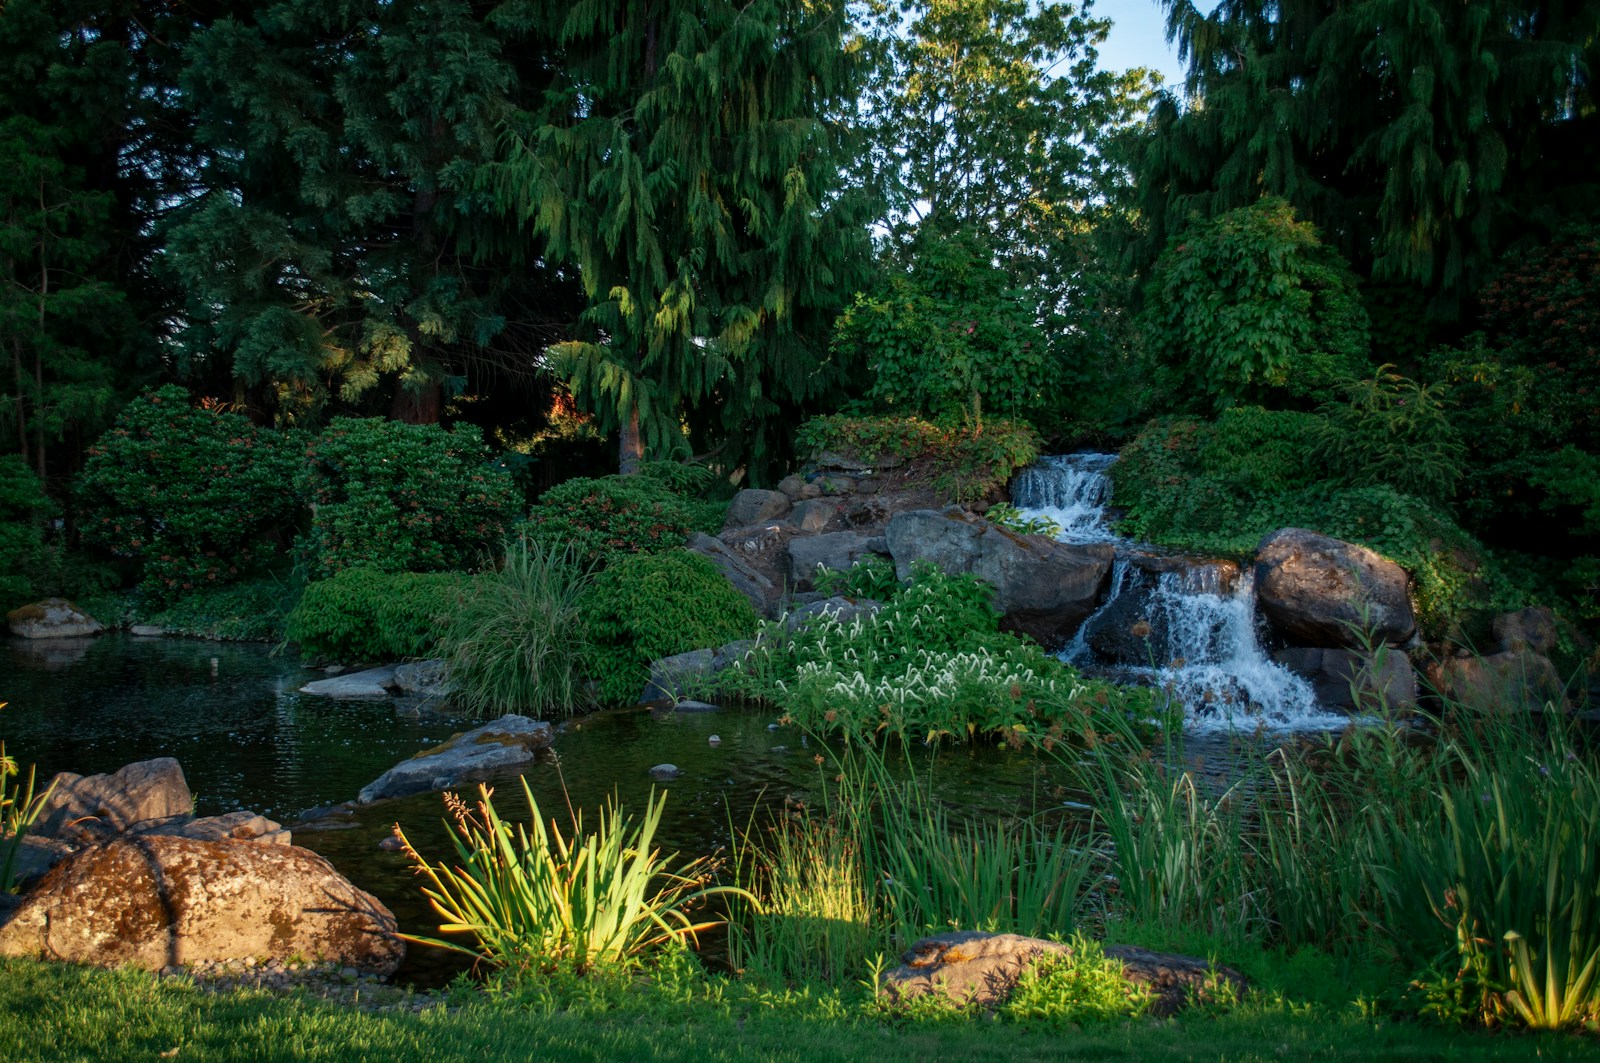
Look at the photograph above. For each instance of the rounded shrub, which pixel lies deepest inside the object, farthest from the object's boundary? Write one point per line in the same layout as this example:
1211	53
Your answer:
647	606
196	497
402	497
621	515
365	614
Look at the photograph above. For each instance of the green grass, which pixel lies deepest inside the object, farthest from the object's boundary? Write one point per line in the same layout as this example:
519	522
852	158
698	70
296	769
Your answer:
58	1012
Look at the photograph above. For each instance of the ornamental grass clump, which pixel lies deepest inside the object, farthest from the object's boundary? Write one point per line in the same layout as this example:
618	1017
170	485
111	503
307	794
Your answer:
535	901
20	805
517	643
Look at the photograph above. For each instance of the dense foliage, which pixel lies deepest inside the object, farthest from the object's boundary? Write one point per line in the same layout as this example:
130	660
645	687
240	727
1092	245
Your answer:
620	515
194	496
402	497
647	606
1251	306
23	505
366	614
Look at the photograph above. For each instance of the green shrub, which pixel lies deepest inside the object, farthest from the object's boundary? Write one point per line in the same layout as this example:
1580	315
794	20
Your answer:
647	606
197	497
536	901
963	461
622	514
517	644
1250	305
950	337
872	576
245	612
1079	986
1392	431
402	497
23	506
364	614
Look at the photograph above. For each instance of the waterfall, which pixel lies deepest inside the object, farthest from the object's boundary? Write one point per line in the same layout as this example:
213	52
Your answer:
1187	628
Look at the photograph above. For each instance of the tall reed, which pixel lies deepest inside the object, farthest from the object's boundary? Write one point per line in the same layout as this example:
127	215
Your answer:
516	644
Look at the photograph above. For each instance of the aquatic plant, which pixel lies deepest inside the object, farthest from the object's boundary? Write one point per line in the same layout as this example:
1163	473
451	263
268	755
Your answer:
517	643
534	899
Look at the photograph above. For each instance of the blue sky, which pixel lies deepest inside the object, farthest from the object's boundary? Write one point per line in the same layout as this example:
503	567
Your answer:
1138	38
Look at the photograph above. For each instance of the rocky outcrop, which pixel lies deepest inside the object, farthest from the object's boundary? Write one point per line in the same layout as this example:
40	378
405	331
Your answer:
372	684
971	967
1354	679
1532	629
157	901
834	550
423	679
1042	587
747	576
1508	681
83	807
1319	591
52	618
470	757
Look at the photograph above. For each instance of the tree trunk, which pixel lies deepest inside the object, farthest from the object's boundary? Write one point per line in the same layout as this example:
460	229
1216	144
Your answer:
630	446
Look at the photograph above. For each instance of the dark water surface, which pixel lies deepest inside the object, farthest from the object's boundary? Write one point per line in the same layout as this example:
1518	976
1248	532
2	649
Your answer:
230	713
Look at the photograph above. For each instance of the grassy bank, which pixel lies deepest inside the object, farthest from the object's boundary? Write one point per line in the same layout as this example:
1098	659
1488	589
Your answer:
54	1012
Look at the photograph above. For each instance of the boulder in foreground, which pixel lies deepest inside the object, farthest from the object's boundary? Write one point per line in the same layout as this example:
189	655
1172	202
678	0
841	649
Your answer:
157	901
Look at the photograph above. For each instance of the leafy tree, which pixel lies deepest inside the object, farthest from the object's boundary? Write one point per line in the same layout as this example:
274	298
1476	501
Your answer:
685	158
1251	305
337	252
1421	135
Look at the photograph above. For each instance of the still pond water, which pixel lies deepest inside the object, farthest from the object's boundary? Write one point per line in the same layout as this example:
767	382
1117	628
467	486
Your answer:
232	716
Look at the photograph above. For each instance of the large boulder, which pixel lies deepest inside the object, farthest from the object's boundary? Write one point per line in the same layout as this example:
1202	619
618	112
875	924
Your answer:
1533	628
80	807
157	901
1042	587
1320	591
1353	679
1508	681
972	967
755	507
52	618
470	757
747	578
835	550
423	679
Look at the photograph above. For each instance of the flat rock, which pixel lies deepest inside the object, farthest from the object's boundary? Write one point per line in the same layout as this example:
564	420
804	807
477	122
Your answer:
368	685
147	631
52	618
1320	591
975	967
154	902
83	807
469	757
244	826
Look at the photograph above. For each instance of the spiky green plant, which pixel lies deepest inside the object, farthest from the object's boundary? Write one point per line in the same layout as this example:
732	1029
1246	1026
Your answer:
518	641
535	900
20	806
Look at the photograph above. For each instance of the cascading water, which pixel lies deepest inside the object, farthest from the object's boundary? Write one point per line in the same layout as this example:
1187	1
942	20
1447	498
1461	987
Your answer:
1187	627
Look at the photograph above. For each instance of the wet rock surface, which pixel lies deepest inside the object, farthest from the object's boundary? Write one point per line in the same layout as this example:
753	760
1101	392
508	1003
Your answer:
467	757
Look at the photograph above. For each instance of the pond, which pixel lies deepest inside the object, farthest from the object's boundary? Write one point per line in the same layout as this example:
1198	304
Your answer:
232	715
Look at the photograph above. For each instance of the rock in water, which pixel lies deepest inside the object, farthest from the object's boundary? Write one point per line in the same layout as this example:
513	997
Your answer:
1320	591
159	901
470	757
973	967
370	685
52	618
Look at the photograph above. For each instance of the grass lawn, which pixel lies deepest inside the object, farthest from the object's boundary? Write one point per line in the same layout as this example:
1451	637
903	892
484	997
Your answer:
58	1012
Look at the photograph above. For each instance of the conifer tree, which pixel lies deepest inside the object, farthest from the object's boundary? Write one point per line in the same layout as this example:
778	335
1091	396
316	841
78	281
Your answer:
1421	136
686	160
